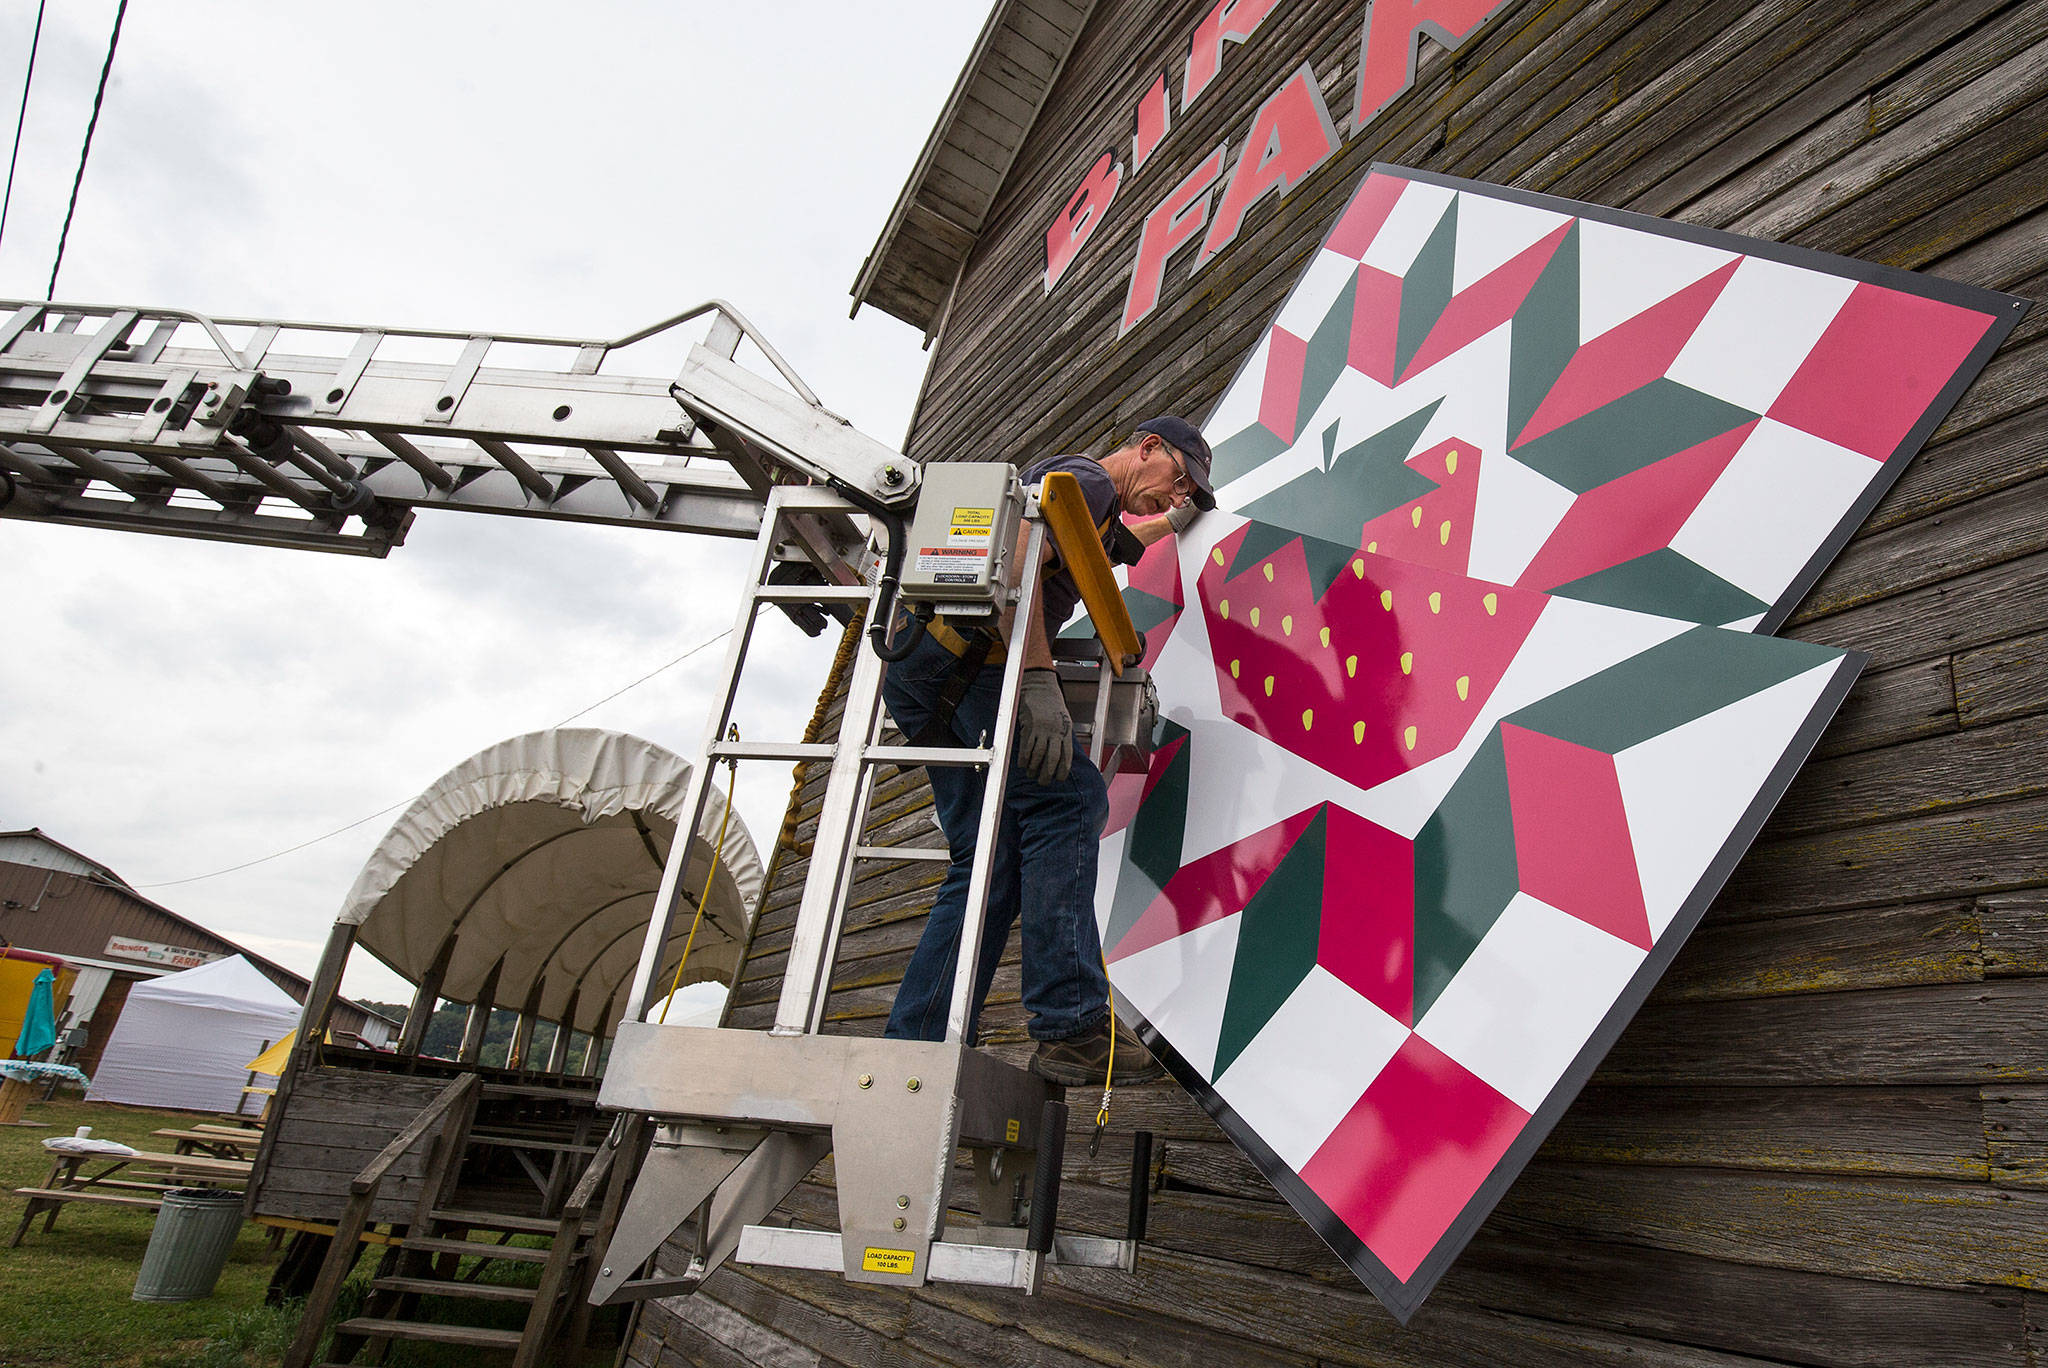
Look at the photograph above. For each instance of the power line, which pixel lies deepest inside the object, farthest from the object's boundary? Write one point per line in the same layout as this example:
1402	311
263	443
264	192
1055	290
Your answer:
21	119
288	850
292	850
98	98
644	678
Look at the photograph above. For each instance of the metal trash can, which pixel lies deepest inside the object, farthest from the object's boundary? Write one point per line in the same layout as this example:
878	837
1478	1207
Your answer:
195	1229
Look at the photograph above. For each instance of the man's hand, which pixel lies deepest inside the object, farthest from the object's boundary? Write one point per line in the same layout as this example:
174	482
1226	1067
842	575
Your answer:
1045	733
1179	519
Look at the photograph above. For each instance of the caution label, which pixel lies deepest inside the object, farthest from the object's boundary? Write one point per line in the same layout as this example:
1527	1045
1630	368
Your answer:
1012	1130
875	1260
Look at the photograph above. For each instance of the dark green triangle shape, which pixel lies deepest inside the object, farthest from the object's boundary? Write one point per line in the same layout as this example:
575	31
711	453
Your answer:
1545	333
1134	893
1465	872
1243	452
1161	822
1261	539
1326	561
1329	351
1687	677
1147	610
1667	584
1365	480
1277	936
1152	851
1642	427
1426	289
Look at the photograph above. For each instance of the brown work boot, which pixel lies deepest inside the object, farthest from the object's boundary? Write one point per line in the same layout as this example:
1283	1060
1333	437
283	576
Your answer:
1082	1061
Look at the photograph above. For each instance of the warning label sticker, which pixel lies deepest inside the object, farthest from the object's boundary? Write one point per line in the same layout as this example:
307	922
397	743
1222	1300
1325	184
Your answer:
959	559
887	1261
1010	1130
974	517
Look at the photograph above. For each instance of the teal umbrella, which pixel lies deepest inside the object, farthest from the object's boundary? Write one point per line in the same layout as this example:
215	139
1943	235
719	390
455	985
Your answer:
39	1029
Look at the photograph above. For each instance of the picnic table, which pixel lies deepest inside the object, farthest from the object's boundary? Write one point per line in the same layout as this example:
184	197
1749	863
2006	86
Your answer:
21	1077
145	1176
215	1142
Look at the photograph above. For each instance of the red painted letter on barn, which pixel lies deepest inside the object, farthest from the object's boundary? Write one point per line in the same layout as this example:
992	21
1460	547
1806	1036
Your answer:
1232	21
1072	225
1386	61
1154	120
1171	225
1291	136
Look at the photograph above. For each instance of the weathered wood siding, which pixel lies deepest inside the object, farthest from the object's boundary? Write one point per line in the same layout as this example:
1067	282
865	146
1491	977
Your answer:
336	1121
1825	1138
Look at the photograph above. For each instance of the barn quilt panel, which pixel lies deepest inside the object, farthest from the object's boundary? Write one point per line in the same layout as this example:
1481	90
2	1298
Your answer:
1470	705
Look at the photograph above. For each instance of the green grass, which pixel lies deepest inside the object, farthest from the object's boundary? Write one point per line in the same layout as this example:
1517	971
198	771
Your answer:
64	1296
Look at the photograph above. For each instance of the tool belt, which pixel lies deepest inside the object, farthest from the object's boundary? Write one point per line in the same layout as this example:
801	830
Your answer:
971	650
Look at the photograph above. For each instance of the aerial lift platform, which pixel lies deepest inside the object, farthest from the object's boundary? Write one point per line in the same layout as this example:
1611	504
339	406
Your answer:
315	436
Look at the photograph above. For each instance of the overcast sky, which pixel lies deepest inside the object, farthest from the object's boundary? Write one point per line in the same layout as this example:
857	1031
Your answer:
173	707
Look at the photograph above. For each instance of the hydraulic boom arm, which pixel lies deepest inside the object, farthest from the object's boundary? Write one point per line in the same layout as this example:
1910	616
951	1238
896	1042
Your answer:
328	437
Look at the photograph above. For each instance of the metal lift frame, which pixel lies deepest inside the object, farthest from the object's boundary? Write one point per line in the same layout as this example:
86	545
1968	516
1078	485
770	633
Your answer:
745	1115
105	422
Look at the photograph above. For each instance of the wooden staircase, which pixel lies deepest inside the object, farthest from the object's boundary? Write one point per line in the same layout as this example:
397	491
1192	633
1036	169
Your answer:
461	1235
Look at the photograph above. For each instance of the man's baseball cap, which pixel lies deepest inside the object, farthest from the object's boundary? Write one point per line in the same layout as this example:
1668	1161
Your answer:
1180	434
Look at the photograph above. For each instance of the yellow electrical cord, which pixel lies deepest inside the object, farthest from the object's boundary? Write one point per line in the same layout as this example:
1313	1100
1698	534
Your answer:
1108	1087
732	769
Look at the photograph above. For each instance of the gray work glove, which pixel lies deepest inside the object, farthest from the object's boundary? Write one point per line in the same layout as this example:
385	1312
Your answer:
1045	733
1180	517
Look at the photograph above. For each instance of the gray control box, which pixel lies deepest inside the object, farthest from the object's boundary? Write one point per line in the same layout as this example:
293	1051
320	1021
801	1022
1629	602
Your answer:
963	534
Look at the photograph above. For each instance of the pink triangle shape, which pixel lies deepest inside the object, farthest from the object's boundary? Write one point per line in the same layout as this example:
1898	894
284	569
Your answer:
1280	398
1572	844
1634	515
1486	303
1214	887
1627	356
1368	932
1365	216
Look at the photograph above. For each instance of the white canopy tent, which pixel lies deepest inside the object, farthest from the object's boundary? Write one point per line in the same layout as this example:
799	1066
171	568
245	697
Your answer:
185	1040
540	857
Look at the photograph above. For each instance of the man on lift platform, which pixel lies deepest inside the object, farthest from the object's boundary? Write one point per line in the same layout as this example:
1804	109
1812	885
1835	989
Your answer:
946	691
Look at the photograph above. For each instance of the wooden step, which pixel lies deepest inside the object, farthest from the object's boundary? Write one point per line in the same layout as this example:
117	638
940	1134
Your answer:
516	1253
470	1336
493	1220
436	1287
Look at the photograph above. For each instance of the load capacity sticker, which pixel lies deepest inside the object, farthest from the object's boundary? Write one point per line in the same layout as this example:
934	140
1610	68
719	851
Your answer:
972	527
888	1261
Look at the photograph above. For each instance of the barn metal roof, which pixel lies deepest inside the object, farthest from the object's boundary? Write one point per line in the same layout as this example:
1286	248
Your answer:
944	205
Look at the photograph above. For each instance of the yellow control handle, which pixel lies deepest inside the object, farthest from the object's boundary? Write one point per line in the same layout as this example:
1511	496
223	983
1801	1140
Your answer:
1066	514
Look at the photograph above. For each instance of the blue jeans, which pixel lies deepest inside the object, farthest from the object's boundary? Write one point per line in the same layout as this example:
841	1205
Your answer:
1044	868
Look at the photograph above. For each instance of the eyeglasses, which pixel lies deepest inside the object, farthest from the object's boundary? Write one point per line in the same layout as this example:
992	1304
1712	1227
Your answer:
1180	469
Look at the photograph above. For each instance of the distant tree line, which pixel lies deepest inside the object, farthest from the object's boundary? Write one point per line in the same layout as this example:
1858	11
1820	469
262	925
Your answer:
444	1035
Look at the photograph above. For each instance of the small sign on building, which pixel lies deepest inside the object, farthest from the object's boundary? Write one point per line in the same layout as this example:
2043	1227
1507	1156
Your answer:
155	952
